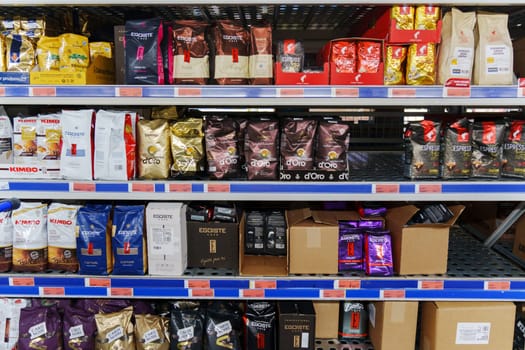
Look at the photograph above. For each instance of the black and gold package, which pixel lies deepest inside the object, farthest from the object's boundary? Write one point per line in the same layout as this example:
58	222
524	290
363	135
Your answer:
514	150
154	157
260	322
223	326
487	140
151	332
422	150
457	150
115	330
187	148
187	326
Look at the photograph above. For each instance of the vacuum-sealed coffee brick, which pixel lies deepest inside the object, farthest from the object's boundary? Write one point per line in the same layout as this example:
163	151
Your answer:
94	240
128	240
332	143
30	237
191	63
378	253
144	61
457	150
187	147
260	323
261	62
187	326
422	150
232	52
297	143
514	150
421	64
296	325
222	147
261	148
291	56
154	156
353	320
254	232
487	141
275	233
369	56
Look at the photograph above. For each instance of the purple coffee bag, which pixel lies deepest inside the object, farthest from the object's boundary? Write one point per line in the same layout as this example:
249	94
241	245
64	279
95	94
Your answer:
378	253
79	329
40	328
371	224
350	248
370	212
348	224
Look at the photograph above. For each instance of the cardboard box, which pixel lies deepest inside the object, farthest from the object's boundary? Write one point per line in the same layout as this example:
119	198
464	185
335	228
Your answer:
213	245
326	319
101	71
166	235
421	248
315	233
119	34
286	78
467	325
519	239
388	320
261	265
296	325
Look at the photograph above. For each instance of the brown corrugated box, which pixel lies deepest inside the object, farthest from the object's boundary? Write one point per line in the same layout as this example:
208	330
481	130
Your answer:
467	325
420	248
326	319
393	324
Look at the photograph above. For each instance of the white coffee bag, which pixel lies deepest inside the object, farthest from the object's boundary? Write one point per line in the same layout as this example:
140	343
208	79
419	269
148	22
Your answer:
76	151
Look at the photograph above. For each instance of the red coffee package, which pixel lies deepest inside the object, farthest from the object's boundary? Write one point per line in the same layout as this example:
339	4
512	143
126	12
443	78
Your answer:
343	55
232	51
369	56
190	53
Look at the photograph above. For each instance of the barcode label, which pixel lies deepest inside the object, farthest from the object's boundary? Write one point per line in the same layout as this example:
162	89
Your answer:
305	339
473	333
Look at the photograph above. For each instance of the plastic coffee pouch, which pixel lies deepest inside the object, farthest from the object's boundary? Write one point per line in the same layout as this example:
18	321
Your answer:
394	65
129	242
150	333
76	151
187	147
260	322
20	55
222	151
487	140
49	138
297	143
61	237
6	241
457	150
353	320
25	140
494	54
100	48
261	62
47	51
30	237
79	329
93	241
154	156
378	253
275	233
6	138
10	310
223	326
456	52
40	328
241	122
422	150
261	149
344	55
351	257
427	17
421	64
144	62
514	150
291	56
403	16
187	326
73	52
115	330
332	143
232	51
191	63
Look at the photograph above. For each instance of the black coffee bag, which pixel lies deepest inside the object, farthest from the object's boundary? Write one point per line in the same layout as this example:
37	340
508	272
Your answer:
422	150
457	150
487	140
514	150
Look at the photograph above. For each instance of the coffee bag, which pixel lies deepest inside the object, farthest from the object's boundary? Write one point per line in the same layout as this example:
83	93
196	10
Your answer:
332	144
154	156
94	241
261	62
61	237
187	147
487	140
514	150
222	153
190	53
115	330
232	51
457	150
261	149
76	152
151	332
30	237
422	150
129	241
79	329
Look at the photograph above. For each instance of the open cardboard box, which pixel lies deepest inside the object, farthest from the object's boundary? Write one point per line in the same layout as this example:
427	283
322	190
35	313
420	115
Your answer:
101	71
420	248
284	78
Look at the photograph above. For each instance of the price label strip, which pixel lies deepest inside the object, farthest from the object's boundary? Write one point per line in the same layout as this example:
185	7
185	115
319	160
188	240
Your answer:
332	294
251	293
98	282
263	284
393	294
120	292
347	284
52	291
21	281
435	285
496	285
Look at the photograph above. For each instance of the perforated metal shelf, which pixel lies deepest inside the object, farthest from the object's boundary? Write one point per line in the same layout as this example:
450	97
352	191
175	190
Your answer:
325	344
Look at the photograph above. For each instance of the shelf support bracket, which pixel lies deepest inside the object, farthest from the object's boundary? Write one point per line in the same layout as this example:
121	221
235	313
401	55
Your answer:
514	215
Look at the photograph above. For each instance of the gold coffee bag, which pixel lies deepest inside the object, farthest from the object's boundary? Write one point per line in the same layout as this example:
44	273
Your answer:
421	64
47	52
404	17
427	17
395	65
20	53
187	147
100	48
73	52
3	65
115	330
154	158
150	332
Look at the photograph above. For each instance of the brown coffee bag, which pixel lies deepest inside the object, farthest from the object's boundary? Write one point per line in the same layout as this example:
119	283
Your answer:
232	51
261	64
190	53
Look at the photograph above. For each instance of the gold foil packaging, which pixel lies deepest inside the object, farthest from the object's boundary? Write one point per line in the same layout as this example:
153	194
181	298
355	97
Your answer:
421	64
395	65
20	55
100	48
152	332
3	65
73	52
115	330
404	17
47	53
427	17
153	149
187	147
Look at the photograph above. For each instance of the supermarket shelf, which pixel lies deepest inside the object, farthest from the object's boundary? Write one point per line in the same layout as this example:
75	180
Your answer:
475	273
262	95
355	344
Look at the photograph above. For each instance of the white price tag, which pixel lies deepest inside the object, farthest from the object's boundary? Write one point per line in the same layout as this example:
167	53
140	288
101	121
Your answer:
151	336
185	334
115	334
76	332
38	330
223	328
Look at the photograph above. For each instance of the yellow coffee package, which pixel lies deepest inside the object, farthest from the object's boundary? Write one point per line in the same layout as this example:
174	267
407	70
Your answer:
494	60
456	52
73	52
25	140
404	17
47	52
187	147
395	65
10	25
150	332
3	66
154	157
30	237
61	237
421	64
32	28
100	48
115	330
427	17
20	53
49	140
